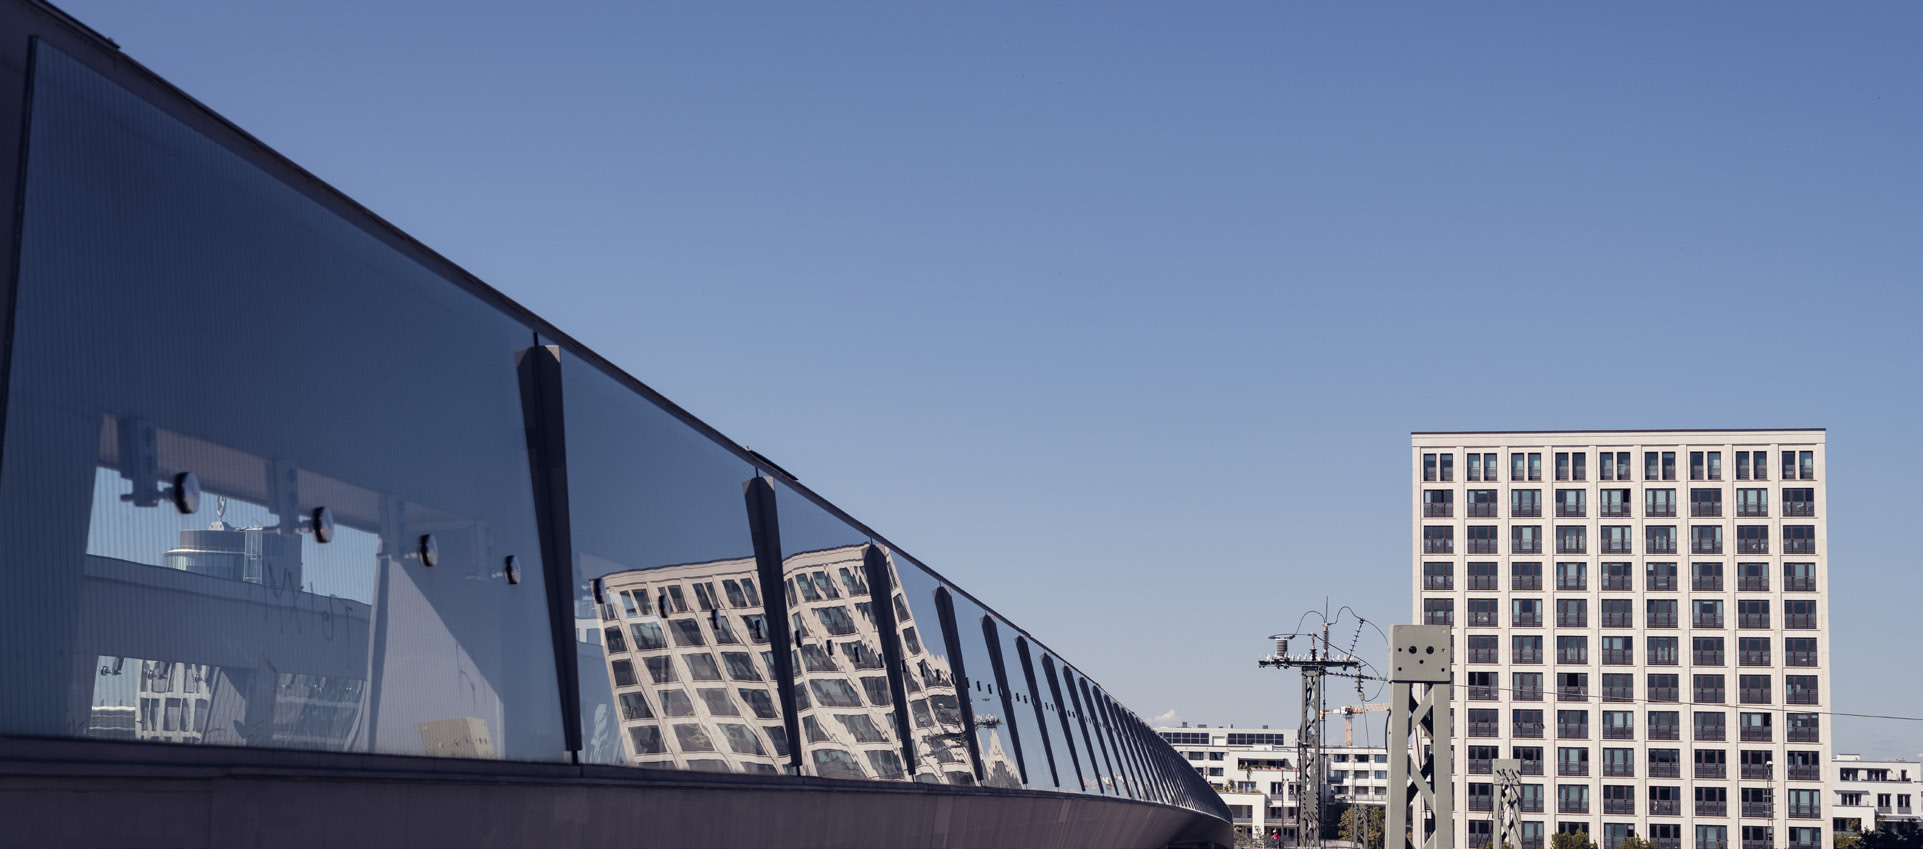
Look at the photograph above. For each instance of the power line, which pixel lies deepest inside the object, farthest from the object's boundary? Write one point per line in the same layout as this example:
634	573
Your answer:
1587	699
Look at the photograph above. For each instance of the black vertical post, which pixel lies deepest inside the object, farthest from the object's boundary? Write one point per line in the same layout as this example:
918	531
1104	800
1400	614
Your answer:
1036	698
764	527
539	369
881	599
945	609
993	636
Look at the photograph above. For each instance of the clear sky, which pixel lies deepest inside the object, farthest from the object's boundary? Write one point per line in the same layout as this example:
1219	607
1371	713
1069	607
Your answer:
1120	314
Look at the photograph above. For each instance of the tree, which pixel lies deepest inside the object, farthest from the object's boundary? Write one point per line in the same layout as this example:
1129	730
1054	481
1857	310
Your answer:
1848	840
1360	821
1634	842
1571	840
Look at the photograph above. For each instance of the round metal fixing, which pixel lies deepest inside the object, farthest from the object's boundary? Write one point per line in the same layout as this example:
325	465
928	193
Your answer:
323	525
430	550
186	492
513	569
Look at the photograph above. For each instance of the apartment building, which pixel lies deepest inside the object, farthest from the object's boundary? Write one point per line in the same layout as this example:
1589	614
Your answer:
1641	618
1873	795
1254	771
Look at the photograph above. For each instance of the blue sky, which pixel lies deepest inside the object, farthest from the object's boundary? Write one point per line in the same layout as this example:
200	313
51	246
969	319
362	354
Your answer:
1120	314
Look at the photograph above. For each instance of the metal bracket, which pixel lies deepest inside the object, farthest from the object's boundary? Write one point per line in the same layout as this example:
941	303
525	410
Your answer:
1420	757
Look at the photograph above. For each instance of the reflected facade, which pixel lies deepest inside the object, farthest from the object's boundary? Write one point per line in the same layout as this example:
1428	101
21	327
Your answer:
275	479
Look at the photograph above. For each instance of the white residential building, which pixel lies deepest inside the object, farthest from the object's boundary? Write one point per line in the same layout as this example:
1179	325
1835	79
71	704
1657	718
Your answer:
1873	794
1254	771
1641	617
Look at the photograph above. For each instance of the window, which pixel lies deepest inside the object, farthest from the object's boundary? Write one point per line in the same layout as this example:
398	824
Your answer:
1708	463
1569	465
1799	651
1527	722
1711	763
1802	727
1618	651
1799	577
1438	540
1706	613
1525	576
1615	503
1525	649
1664	725
1799	539
1525	503
1799	613
1569	503
1753	689
1473	467
1483	722
1658	503
1525	539
1517	467
1706	539
1438	576
1482	686
1526	612
1482	613
1661	539
1482	576
1706	503
1662	651
1572	612
1572	649
1482	503
1799	502
1659	465
1742	466
1528	686
1708	689
1616	539
1573	686
1619	725
1805	466
1752	577
1752	503
1804	804
1438	503
1572	760
1706	651
1482	467
1660	613
1613	465
1752	651
1752	613
1800	689
1755	728
1618	612
1483	648
1706	577
1571	539
1572	576
1617	577
1438	611
1619	763
1482	539
1448	467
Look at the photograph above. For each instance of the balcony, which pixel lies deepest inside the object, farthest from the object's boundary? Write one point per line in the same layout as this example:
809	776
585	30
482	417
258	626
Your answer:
1706	657
1753	511
1799	546
1571	582
1764	810
1531	805
1617	546
1528	656
1526	511
1757	696
1482	619
1614	511
1527	694
1526	729
1525	546
1484	729
1758	734
1572	620
1572	693
1572	731
1569	511
1663	694
1443	510
1438	582
1482	694
1711	809
1481	766
1752	620
1482	803
1756	772
1580	768
1619	620
1712	771
1665	808
1525	582
1753	658
1619	732
1707	620
1528	620
1485	510
1438	546
1438	617
1533	841
1617	584
1572	806
1483	655
1804	735
1799	583
1666	842
1482	546
1752	546
1754	842
1571	546
1799	508
1804	772
1619	806
1707	583
1708	734
1799	621
1661	583
1661	620
1706	509
1482	582
1665	732
1530	767
1664	770
1665	510
1801	697
1799	658
1805	812
1618	657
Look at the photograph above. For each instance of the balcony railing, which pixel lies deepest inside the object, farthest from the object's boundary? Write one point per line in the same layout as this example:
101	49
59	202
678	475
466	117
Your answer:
1661	511
1759	809
1799	583
1528	620
1438	582
1482	546
1485	729
1661	583
1752	620
1484	655
1752	583
1706	657
1525	546
1618	770
1662	620
1526	511
1619	806
1572	730
1758	734
1663	694
1664	770
1527	729
1438	546
1706	583
1618	657
1531	767
1756	772
1711	809
1665	808
1482	694
1801	697
1799	508
1482	803
1665	732
1569	511
1533	841
1528	656
1572	806
1618	620
1713	695
1799	546
1799	621
1804	772
1753	658
1482	511
1803	735
1481	766
1752	511
1438	617
1711	771
1482	619
1614	511
1706	509
1531	805
1572	692
1571	546
1617	583
1755	695
1579	768
1438	511
1799	658
1619	732
1527	694
1707	620
1756	842
1666	842
1752	546
1805	812
1482	582
1572	620
1708	733
1572	582
1617	546
1525	582
1706	546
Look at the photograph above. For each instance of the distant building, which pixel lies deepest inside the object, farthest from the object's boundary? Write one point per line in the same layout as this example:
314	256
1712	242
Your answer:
1255	772
1871	795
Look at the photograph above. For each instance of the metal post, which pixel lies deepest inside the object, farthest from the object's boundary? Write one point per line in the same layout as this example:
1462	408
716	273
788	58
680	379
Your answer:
1309	768
1420	668
1508	803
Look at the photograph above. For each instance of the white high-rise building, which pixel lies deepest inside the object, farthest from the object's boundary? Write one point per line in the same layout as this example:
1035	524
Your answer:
1642	618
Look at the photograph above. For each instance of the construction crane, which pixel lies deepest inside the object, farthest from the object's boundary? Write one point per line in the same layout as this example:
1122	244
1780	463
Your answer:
1348	718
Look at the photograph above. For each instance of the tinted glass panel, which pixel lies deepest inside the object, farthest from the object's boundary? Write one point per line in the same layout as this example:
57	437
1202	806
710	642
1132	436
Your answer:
942	738
181	311
994	726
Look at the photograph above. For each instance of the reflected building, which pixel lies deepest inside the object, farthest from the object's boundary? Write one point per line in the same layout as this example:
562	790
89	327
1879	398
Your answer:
284	494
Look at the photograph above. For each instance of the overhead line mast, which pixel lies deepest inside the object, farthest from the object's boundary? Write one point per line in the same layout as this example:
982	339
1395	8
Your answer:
1310	770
